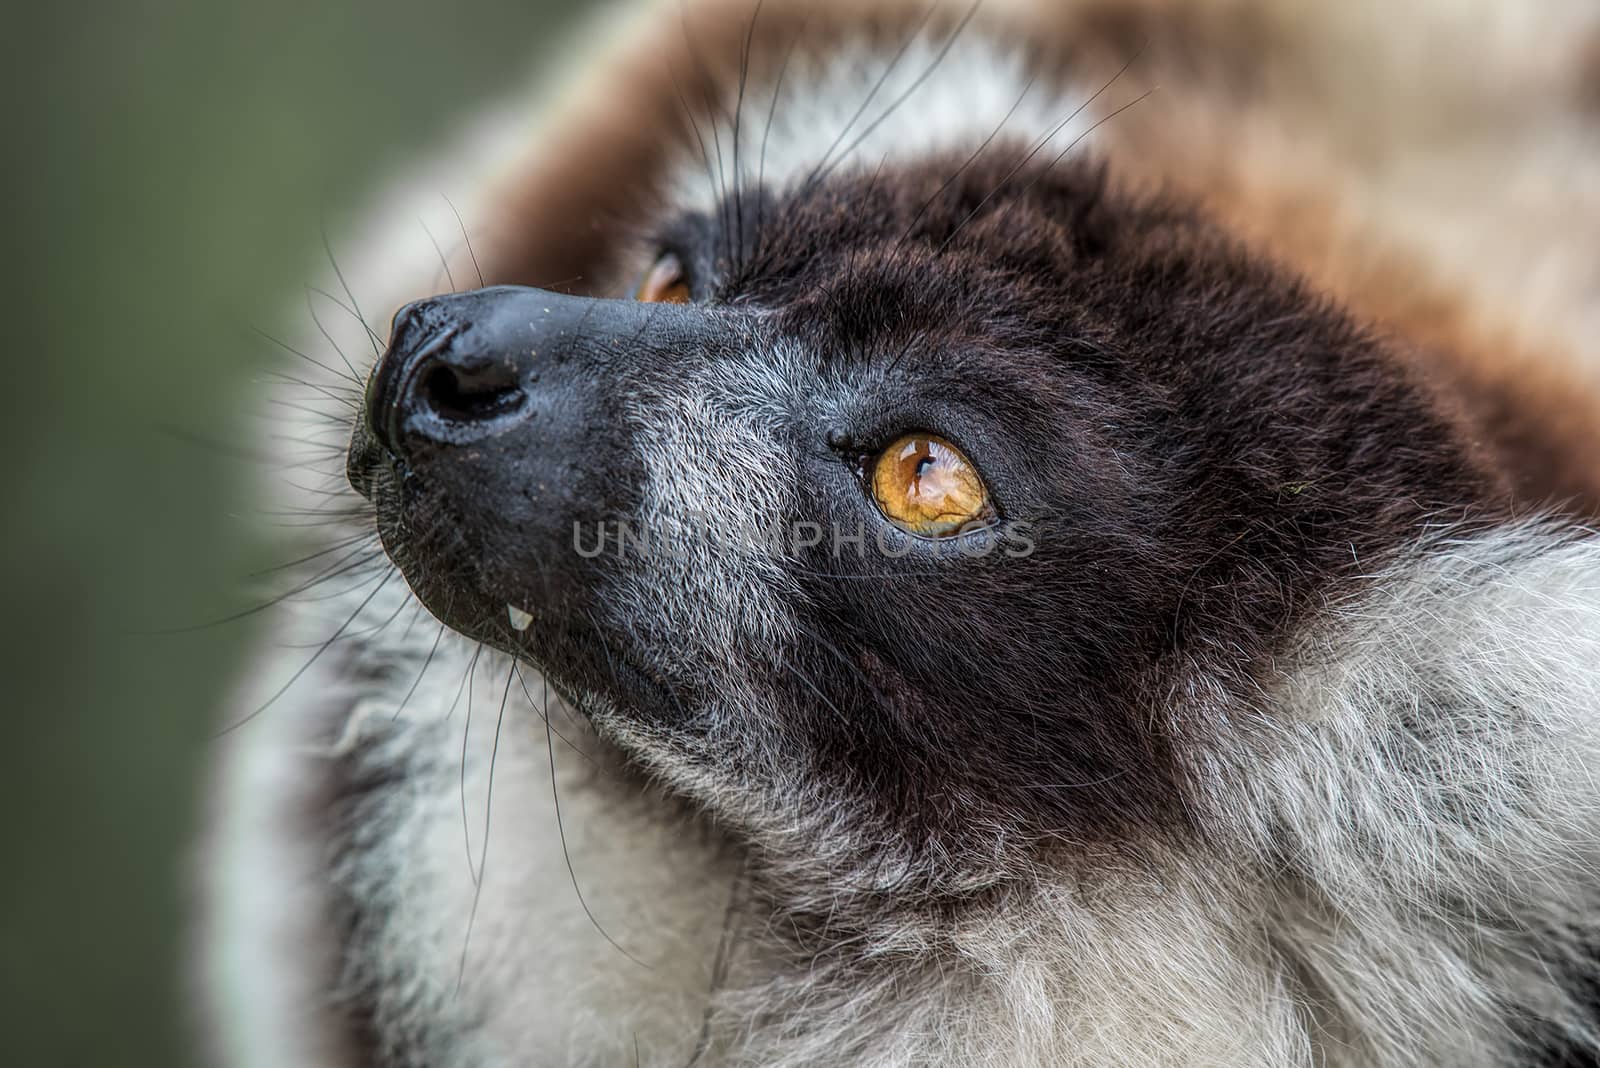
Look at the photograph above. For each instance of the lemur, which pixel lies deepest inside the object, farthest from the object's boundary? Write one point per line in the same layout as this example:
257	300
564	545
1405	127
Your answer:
883	534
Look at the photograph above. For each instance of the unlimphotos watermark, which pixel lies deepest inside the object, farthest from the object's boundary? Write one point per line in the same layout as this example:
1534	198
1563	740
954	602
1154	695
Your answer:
697	534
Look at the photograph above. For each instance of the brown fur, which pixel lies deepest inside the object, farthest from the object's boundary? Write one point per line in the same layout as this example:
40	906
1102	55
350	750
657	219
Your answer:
1237	67
1588	81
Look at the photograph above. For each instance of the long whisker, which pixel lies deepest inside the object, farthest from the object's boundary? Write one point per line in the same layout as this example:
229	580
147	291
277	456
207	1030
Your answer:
355	308
694	125
383	626
738	116
353	312
323	330
323	648
794	669
444	261
959	171
719	963
370	562
1036	149
337	546
555	795
215	446
432	651
488	808
827	646
877	86
766	133
351	376
326	392
569	743
305	409
916	84
1074	144
466	836
466	237
494	758
367	556
708	99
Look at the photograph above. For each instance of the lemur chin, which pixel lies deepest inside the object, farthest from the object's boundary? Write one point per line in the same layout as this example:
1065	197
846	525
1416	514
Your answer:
1029	534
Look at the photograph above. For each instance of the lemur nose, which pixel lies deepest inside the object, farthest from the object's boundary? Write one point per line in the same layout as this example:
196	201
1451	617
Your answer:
442	382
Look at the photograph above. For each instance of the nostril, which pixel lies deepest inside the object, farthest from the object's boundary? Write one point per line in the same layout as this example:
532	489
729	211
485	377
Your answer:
458	370
408	316
468	395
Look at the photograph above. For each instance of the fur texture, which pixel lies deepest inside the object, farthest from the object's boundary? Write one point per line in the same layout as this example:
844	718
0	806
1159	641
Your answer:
1318	682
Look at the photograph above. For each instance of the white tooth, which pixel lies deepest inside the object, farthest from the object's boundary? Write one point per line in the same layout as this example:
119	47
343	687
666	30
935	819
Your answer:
519	618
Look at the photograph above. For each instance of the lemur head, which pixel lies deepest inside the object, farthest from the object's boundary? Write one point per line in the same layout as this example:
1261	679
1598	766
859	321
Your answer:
920	521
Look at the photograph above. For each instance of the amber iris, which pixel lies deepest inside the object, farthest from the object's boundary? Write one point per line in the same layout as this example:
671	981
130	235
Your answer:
666	283
926	486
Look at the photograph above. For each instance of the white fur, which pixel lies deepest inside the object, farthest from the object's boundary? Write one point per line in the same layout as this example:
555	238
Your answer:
538	980
261	937
713	460
1427	772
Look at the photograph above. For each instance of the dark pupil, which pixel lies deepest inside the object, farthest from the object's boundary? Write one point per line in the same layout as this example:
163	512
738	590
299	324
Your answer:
922	465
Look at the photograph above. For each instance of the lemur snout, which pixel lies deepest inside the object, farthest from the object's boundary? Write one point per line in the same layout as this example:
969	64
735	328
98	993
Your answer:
496	434
487	409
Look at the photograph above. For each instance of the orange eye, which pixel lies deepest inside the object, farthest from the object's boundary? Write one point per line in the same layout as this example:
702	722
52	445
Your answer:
665	284
926	486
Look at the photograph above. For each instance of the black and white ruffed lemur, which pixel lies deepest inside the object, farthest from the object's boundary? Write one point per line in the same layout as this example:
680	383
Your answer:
1173	637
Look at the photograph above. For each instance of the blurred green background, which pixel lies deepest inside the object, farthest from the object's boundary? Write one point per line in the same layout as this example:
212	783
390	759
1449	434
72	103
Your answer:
171	170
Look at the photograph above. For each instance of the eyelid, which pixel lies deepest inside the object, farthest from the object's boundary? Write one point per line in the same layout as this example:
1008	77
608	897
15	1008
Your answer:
666	282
